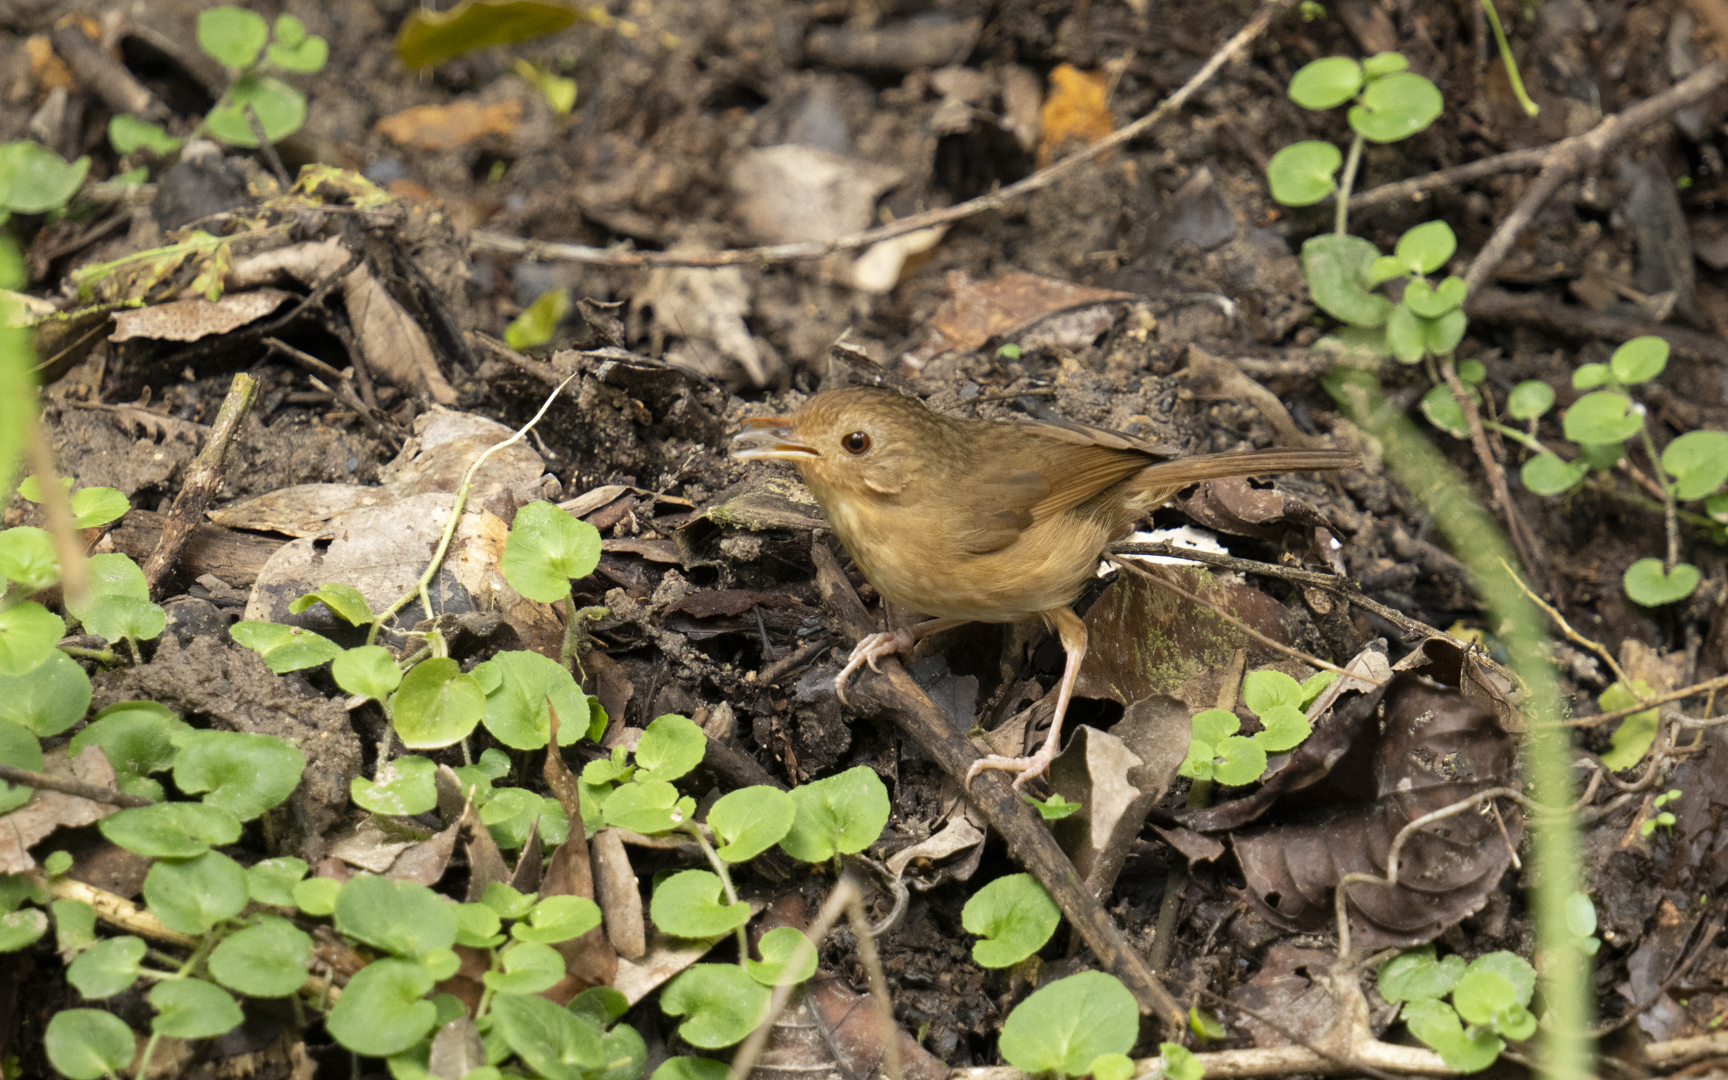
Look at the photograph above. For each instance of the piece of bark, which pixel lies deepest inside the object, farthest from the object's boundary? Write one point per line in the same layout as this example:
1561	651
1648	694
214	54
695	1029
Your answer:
235	557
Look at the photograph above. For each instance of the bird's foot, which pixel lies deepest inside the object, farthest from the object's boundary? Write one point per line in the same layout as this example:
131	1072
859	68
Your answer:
1028	768
870	649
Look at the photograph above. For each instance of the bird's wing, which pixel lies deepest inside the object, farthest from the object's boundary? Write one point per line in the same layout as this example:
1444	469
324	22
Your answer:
1004	501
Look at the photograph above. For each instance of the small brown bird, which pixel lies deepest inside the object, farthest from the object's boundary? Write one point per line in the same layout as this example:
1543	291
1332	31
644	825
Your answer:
982	520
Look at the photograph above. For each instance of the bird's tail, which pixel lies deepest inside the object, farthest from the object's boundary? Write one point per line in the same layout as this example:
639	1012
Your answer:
1158	482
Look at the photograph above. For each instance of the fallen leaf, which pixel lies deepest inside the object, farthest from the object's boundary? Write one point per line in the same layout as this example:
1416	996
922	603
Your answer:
50	810
189	320
977	312
1076	112
448	127
789	193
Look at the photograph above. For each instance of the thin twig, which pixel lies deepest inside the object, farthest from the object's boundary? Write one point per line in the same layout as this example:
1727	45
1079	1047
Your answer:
203	480
1568	157
271	157
1296	1039
1270	643
1522	538
752	1047
1718	683
93	792
866	943
1571	635
481	240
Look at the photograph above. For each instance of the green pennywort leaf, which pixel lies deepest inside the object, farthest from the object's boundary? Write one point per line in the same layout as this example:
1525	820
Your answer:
49	698
1529	400
1336	268
788	958
1698	461
1648	584
841	814
1304	173
88	1044
1064	1026
383	1010
1639	360
692	904
193	1009
284	648
1603	417
1014	916
1396	107
670	748
404	786
749	821
245	774
546	550
720	1004
1325	83
437	704
343	601
231	35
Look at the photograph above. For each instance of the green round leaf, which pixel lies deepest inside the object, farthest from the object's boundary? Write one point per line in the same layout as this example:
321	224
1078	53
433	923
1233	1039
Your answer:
624	1052
1513	968
558	918
1014	916
404	786
265	960
28	634
1471	372
1529	400
1382	64
193	895
691	1068
243	773
88	1044
788	958
74	920
1267	689
383	1010
281	110
538	321
719	1002
1547	474
647	807
1066	1024
519	685
477	926
1425	248
1647	584
171	830
369	671
554	1042
751	820
1442	335
1325	83
48	699
1639	360
1430	302
546	550
317	896
35	180
1396	107
1238	761
1444	412
670	748
506	901
842	814
1603	417
1435	1023
138	738
692	904
1336	268
272	881
1406	334
290	30
307	56
117	604
343	601
400	917
437	705
1589	376
1417	975
19	749
1304	173
128	134
529	967
511	813
107	967
1111	1067
1212	725
1285	729
193	1009
1698	461
284	648
232	35
27	558
95	506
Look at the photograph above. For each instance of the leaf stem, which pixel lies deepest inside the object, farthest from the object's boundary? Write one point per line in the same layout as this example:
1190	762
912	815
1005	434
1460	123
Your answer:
1530	107
1351	162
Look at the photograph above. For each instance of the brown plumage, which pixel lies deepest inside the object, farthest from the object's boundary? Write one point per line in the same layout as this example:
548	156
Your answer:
982	520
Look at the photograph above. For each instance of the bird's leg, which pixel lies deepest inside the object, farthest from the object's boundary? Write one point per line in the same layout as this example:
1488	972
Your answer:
1072	633
873	647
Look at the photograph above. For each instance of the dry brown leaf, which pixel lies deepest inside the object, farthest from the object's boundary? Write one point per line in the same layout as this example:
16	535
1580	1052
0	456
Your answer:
977	312
447	127
789	193
1076	112
189	320
49	810
396	349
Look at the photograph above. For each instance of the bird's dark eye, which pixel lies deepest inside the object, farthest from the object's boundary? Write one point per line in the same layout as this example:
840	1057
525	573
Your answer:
855	443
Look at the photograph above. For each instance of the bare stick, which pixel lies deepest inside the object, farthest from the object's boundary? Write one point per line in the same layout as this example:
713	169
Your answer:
202	481
816	249
67	786
1522	538
831	911
1718	683
1569	157
271	158
864	936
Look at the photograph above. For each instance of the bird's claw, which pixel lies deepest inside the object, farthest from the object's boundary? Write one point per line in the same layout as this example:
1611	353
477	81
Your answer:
1028	768
869	649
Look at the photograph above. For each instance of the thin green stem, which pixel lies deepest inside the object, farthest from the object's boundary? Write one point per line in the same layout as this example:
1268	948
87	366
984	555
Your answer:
101	656
1522	438
719	866
1670	510
1530	107
1352	161
1479	545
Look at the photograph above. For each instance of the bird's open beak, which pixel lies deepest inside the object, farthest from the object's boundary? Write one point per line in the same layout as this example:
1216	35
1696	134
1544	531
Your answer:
766	437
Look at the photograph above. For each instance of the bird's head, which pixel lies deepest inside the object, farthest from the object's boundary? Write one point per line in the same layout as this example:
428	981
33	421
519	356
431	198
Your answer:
861	439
